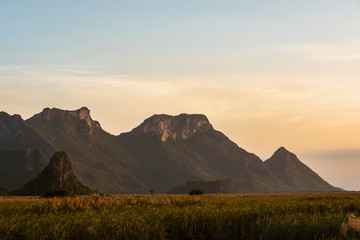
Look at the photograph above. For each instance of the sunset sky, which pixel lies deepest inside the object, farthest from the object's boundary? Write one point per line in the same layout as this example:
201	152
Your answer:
267	73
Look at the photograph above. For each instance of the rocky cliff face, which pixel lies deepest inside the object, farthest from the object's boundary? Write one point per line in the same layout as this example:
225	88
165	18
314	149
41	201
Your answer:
179	127
50	114
59	169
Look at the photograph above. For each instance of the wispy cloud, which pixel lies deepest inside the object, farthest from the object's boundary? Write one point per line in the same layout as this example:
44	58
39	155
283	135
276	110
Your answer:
340	52
338	57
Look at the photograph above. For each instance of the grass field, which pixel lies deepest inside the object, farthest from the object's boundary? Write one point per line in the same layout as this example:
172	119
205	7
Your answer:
250	216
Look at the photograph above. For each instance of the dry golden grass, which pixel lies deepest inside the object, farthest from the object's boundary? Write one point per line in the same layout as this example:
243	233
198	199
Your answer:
233	216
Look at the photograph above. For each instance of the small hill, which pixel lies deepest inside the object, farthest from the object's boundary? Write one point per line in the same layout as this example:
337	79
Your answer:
217	186
291	171
57	177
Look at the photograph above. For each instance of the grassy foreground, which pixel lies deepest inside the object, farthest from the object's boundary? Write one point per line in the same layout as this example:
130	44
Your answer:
250	216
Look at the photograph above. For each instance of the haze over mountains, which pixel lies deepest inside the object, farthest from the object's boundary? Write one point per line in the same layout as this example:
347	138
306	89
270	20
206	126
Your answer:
162	153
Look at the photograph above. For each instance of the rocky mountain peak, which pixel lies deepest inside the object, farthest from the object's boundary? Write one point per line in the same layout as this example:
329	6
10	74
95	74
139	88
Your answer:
84	114
70	121
282	155
179	127
81	114
282	152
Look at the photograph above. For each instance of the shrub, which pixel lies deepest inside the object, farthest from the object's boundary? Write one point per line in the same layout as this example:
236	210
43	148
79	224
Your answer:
57	193
196	191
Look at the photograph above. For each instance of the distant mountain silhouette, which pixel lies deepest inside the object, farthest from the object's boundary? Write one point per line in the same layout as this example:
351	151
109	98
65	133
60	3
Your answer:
161	153
57	177
291	171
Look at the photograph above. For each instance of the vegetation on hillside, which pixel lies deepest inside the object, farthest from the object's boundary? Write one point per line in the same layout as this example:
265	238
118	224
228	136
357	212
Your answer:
253	216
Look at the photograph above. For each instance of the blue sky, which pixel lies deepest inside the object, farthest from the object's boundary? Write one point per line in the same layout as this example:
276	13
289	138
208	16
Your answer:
160	36
266	73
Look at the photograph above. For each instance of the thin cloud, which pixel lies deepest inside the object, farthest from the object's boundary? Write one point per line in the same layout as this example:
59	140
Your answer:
337	57
342	52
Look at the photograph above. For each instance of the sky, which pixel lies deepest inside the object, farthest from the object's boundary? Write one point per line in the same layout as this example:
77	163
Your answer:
267	73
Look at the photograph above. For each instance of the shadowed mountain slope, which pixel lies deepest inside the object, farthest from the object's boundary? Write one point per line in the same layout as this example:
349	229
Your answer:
15	133
20	166
23	151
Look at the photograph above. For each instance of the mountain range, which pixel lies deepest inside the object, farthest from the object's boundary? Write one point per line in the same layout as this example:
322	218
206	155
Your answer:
162	153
